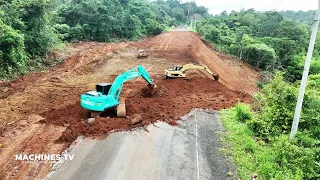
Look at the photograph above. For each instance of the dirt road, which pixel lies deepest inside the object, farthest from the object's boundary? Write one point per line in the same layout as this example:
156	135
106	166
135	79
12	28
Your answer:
189	151
40	113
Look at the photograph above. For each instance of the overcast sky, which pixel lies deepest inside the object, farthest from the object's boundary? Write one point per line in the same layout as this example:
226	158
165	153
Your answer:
217	6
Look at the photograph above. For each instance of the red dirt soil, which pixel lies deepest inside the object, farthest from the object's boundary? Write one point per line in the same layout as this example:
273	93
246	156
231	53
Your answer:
41	111
183	46
174	98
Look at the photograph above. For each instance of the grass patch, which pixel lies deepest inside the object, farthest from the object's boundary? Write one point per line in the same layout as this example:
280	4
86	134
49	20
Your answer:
192	28
250	156
168	28
277	159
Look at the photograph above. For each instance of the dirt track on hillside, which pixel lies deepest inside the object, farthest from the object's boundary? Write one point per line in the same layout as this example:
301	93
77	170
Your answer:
40	113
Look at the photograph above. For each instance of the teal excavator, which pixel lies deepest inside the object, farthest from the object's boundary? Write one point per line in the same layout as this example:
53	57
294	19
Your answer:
106	96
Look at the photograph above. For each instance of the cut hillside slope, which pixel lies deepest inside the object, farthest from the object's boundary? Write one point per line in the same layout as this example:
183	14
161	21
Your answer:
41	112
234	73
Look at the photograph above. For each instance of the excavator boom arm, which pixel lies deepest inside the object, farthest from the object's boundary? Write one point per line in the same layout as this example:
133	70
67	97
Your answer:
181	72
191	66
117	85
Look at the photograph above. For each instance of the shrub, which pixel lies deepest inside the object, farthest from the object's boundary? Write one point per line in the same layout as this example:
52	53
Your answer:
243	112
63	31
277	159
12	52
276	108
296	161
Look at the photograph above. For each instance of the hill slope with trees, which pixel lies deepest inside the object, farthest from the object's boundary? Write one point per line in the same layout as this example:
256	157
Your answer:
31	29
259	133
266	40
273	42
301	17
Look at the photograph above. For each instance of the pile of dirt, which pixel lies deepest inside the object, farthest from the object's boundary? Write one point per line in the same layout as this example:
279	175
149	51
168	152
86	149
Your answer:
177	97
51	97
174	98
233	72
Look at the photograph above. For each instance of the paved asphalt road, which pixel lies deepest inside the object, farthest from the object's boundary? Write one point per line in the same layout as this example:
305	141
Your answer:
181	28
186	152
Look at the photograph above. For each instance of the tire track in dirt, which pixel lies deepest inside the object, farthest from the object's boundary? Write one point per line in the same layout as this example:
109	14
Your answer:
164	40
237	77
168	43
54	96
167	40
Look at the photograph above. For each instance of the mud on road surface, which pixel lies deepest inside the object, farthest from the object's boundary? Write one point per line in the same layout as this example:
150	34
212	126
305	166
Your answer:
40	113
189	151
173	99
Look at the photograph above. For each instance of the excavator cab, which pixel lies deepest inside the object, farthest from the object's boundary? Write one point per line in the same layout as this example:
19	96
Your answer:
103	88
177	67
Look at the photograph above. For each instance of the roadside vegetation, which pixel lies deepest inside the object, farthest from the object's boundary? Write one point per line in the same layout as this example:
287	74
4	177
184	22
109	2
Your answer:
259	134
30	30
276	44
273	42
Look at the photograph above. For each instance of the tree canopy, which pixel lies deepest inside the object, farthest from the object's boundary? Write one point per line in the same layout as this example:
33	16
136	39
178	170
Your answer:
266	40
32	28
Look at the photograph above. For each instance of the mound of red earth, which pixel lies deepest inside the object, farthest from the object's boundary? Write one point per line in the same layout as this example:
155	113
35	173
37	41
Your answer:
187	47
53	94
173	99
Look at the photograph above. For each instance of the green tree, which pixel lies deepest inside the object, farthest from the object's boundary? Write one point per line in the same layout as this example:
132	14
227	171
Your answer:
276	105
40	35
12	52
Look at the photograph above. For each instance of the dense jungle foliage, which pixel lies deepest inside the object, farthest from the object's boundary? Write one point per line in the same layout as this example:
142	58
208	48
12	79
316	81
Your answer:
265	40
273	42
31	29
259	134
301	17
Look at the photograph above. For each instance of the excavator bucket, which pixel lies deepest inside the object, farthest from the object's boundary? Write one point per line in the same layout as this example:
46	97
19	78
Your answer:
149	91
216	76
152	89
152	86
121	109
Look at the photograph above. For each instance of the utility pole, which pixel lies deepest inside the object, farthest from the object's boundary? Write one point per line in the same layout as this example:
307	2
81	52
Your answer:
305	74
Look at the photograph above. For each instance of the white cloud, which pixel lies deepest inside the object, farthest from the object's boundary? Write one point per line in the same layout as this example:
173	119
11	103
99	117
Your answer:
217	6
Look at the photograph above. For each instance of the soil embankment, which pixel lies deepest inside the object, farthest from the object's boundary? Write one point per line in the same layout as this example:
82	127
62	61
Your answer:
40	113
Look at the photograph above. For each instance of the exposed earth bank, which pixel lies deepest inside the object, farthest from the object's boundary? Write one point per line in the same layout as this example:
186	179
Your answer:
40	112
